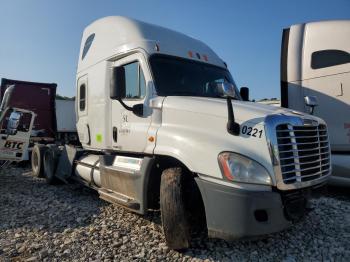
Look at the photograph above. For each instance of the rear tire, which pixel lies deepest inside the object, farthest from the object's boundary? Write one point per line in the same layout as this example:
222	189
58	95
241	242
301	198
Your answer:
38	160
50	164
173	211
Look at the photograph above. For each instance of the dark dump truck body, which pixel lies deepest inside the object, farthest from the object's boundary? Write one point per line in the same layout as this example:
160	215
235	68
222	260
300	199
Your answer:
36	97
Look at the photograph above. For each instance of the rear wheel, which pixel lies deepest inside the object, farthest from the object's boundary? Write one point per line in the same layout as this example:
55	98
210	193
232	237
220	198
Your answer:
38	160
50	164
173	211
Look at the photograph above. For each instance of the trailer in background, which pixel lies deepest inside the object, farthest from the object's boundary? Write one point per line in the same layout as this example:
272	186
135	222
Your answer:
36	97
55	118
65	121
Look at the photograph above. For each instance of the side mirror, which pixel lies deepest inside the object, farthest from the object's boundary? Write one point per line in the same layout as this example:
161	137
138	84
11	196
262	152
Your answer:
312	102
244	92
117	85
229	90
138	110
226	89
13	123
118	90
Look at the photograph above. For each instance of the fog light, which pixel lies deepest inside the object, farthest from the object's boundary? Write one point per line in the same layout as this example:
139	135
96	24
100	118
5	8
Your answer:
261	215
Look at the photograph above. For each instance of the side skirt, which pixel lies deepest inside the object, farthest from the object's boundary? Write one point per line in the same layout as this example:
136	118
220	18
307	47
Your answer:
124	181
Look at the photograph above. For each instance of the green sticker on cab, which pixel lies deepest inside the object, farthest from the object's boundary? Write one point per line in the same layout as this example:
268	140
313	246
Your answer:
99	138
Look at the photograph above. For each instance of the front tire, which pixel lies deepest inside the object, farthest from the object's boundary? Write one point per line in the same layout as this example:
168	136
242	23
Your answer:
173	211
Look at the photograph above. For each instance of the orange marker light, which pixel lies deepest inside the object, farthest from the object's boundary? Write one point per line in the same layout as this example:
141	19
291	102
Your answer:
225	168
190	54
205	58
151	139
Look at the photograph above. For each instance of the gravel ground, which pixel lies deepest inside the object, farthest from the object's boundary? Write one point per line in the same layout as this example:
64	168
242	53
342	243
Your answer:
39	222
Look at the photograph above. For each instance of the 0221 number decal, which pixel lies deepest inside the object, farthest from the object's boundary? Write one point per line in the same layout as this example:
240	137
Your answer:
250	131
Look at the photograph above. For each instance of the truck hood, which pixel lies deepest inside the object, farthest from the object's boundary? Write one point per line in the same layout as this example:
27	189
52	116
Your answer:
243	111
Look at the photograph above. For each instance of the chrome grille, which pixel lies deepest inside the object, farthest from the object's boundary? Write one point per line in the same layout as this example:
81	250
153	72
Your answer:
303	152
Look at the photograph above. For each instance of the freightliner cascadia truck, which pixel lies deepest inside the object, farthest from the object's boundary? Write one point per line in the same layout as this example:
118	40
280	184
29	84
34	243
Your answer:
315	61
162	125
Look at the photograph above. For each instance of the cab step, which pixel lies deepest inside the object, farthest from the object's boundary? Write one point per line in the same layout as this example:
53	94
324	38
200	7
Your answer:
116	198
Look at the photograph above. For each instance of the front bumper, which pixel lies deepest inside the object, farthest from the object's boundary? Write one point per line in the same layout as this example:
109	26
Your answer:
235	213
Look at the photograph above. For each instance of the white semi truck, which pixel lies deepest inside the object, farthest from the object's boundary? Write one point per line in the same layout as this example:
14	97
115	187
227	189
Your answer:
15	130
54	121
162	125
315	61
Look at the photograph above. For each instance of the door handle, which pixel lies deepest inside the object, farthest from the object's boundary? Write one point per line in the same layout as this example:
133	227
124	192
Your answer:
341	90
115	134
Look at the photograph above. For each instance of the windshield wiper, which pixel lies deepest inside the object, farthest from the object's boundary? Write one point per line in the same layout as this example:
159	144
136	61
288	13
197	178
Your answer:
218	96
184	93
189	93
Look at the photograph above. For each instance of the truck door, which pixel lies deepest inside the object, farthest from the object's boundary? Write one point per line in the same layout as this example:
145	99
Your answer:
15	133
130	132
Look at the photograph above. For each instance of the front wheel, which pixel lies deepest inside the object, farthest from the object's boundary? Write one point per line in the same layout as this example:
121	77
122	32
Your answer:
173	212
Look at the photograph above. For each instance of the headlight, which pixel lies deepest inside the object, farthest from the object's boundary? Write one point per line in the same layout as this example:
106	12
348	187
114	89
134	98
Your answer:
238	168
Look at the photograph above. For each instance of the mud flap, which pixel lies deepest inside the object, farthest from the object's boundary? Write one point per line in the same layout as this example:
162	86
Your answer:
66	162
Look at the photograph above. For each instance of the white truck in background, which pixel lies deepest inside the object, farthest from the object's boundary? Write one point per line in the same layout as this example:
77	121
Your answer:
315	61
15	131
162	125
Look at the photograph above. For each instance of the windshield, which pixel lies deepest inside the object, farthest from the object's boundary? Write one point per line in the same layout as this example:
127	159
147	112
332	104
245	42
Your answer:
182	77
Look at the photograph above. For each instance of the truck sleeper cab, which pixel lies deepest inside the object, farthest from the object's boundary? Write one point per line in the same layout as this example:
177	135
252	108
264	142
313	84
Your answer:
163	125
315	61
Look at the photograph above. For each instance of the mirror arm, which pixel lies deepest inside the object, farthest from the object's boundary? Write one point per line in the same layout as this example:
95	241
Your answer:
232	127
125	105
136	110
312	108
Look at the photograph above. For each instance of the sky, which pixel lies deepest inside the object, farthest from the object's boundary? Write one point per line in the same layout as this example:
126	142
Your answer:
40	39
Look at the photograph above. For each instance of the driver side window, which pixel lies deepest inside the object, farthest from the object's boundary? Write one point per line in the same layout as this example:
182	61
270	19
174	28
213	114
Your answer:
135	83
